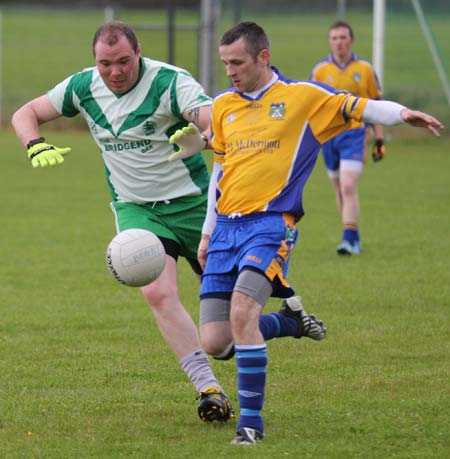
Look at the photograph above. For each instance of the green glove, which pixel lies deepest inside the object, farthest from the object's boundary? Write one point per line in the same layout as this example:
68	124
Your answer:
42	154
189	140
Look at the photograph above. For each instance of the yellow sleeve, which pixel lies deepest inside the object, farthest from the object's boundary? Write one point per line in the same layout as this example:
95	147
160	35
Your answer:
373	88
335	114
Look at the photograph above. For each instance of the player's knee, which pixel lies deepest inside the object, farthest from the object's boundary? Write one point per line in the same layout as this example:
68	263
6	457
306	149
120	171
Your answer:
226	354
215	341
218	351
348	188
157	294
211	345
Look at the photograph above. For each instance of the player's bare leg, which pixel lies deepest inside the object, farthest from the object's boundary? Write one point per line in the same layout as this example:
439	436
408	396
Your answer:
181	334
336	184
349	181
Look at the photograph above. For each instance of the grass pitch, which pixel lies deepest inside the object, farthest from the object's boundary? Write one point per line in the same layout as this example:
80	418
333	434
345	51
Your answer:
85	374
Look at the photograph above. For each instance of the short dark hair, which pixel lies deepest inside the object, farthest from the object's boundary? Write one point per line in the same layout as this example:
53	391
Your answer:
344	24
111	31
255	37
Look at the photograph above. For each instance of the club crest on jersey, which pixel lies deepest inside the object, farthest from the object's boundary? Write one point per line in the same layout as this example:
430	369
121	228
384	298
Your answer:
149	127
357	77
277	111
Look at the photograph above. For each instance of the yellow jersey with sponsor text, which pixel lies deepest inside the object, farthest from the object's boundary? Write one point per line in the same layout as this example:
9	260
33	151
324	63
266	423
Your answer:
268	145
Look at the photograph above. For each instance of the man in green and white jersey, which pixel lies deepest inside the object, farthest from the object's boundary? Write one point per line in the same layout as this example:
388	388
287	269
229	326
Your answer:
133	105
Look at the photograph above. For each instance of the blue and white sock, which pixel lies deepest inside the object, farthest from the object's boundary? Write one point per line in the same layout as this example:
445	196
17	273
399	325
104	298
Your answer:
251	361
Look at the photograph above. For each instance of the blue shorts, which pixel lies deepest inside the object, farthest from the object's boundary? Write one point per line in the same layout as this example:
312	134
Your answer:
261	241
348	145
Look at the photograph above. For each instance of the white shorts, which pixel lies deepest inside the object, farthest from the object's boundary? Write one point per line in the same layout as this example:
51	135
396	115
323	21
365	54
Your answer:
346	165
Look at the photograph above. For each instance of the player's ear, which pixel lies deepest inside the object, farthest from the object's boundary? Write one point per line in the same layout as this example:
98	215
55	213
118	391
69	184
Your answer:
264	56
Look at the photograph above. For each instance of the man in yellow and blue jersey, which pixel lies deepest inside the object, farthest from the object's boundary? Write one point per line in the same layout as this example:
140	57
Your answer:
344	155
267	131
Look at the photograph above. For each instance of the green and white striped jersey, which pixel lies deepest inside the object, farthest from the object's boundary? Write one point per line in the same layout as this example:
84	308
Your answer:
132	129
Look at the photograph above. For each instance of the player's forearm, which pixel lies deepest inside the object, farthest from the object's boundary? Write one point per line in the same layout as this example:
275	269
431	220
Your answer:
25	125
210	219
383	112
29	117
378	131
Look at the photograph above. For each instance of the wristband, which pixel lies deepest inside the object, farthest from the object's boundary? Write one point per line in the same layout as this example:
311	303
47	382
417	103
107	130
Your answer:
34	142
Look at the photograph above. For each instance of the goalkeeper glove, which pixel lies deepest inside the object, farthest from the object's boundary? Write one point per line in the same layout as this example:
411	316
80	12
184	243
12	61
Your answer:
42	154
378	150
189	140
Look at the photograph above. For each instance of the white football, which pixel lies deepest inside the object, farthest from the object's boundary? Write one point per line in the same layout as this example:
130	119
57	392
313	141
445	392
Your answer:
135	257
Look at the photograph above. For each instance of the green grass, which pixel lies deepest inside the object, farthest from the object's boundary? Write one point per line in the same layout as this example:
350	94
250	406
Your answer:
85	374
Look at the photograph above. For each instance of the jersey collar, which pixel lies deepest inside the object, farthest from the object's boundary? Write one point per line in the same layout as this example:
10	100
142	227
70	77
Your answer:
353	57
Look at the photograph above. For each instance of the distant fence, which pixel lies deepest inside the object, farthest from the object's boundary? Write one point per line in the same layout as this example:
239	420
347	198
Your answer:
42	46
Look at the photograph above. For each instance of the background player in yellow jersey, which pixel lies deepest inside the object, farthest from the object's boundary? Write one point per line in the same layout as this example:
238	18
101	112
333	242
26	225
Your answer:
344	155
266	134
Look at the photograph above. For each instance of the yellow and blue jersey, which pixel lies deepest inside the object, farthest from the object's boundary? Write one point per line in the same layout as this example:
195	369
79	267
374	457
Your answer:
356	76
268	145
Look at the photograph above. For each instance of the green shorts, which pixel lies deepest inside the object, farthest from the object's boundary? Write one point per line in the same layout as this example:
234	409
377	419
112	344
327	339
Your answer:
180	220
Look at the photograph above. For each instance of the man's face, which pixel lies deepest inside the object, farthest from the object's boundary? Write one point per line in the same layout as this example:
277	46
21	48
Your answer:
118	64
246	74
340	42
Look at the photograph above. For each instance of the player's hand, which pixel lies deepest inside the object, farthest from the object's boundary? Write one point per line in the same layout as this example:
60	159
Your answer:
203	250
378	150
189	140
42	154
420	119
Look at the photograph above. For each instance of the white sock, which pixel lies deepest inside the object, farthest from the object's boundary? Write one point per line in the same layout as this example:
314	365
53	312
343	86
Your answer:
198	369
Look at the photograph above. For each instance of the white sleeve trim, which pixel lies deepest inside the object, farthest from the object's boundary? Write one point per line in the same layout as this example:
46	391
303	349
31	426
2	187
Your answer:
211	214
383	112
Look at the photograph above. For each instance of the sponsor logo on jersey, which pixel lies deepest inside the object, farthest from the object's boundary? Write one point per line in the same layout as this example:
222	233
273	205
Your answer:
254	105
247	146
143	145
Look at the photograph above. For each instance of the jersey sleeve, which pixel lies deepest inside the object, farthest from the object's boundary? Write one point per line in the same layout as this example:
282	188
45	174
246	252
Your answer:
334	113
61	98
317	70
66	96
373	85
189	94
